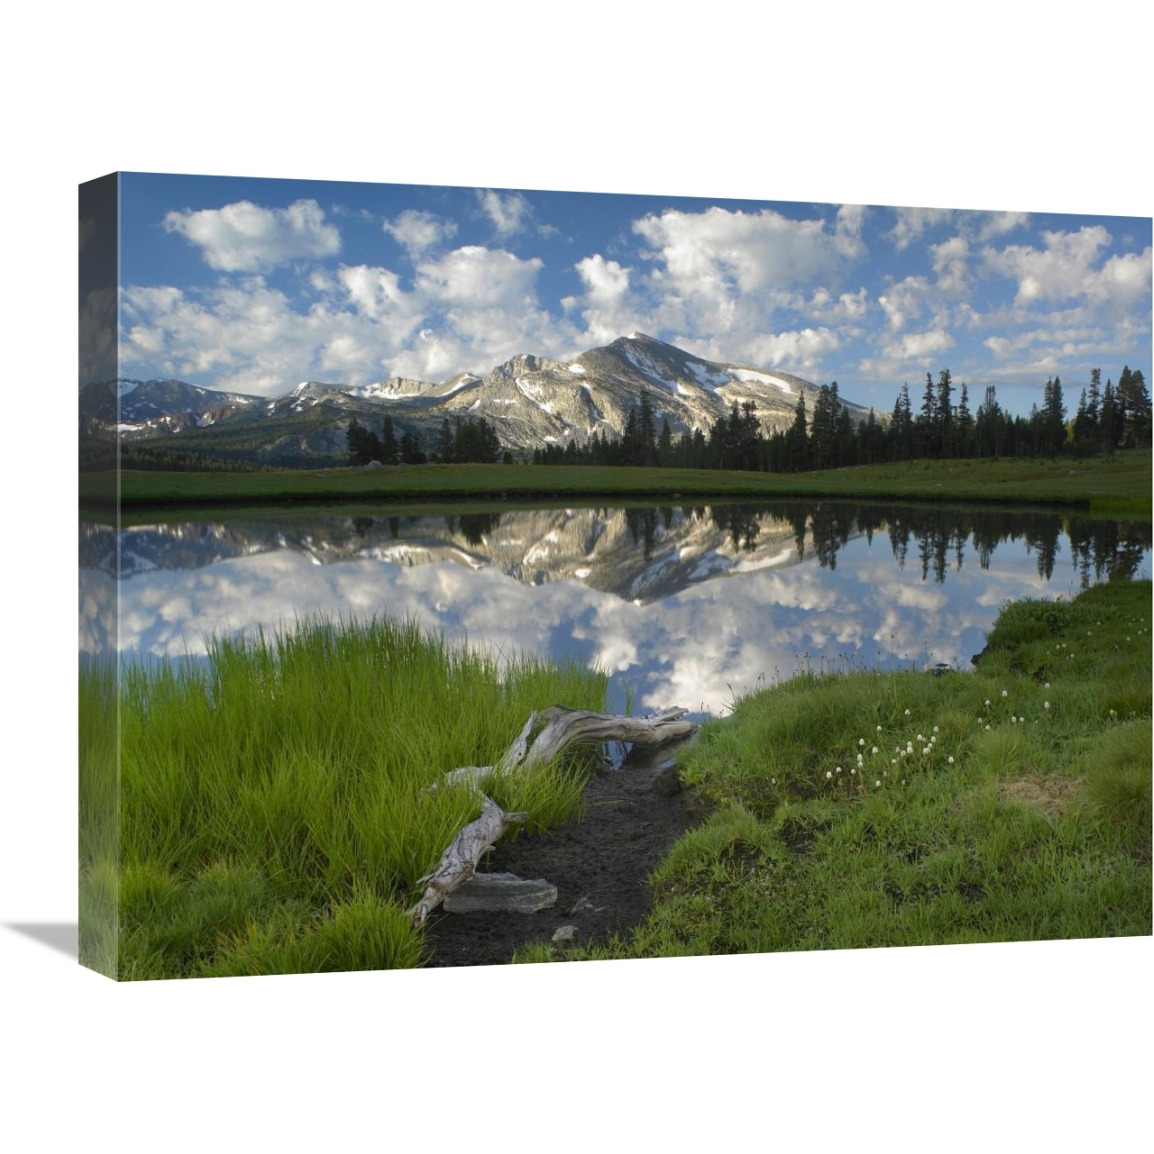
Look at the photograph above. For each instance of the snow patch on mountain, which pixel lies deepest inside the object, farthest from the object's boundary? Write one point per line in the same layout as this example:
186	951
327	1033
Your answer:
749	375
706	377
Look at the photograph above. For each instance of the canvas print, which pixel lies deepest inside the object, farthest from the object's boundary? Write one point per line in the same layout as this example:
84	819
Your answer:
477	576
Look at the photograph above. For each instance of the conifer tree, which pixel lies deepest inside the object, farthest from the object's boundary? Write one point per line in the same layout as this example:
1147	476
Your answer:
1108	424
944	417
797	439
902	427
389	450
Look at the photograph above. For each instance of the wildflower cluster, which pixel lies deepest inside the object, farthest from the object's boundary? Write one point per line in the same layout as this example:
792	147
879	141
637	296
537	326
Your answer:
995	711
874	768
1137	632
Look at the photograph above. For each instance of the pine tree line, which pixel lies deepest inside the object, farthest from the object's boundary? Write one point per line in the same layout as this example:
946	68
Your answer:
943	427
462	442
366	446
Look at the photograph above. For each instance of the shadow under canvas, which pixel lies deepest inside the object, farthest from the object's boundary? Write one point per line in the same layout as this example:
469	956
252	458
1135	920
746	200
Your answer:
62	936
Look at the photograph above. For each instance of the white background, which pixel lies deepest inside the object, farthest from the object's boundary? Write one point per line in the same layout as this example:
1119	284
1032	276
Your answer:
1042	1045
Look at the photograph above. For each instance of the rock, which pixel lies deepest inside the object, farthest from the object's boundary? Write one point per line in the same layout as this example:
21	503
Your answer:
565	934
495	893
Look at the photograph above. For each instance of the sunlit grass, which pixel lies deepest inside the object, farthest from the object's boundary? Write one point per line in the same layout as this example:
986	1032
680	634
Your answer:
884	809
273	808
98	816
1119	486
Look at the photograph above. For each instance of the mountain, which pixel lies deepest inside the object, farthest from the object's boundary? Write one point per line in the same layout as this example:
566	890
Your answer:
145	408
530	402
638	555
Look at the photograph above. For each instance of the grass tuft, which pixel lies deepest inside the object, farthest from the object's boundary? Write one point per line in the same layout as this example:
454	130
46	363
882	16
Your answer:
274	811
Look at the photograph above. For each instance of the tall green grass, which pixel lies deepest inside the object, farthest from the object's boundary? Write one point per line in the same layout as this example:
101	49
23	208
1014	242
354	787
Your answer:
872	809
273	817
99	825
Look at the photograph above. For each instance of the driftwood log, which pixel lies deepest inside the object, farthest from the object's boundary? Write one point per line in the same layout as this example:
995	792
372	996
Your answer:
561	728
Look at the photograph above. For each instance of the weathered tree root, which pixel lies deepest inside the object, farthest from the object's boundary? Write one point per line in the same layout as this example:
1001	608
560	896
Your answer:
459	861
563	727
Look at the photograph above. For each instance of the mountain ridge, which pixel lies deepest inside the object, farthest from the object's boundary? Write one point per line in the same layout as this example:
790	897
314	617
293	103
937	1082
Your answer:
530	401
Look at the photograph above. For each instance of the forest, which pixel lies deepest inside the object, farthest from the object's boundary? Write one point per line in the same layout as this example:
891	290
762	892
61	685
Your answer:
943	427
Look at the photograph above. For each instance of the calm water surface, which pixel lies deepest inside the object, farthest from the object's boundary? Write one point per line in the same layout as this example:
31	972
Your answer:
683	605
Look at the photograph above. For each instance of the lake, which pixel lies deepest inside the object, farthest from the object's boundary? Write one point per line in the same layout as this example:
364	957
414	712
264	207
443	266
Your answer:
687	604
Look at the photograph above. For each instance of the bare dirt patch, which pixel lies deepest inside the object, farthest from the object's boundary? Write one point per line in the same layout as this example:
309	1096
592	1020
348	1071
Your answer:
1052	795
599	865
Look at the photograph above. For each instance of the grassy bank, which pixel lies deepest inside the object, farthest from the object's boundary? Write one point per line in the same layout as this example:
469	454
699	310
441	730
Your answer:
1117	487
866	809
272	818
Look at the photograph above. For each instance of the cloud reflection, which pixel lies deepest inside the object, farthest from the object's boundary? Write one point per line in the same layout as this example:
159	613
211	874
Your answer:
698	646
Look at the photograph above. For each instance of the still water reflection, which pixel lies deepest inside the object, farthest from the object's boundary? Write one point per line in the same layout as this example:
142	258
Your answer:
683	605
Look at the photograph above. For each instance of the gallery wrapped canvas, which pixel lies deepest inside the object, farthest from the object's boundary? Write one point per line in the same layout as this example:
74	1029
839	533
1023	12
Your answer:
473	576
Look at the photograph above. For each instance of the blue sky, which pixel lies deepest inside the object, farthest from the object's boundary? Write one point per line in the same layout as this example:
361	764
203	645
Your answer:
257	284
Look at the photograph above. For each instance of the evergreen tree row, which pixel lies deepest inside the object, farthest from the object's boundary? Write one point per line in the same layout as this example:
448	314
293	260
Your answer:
366	446
943	427
461	442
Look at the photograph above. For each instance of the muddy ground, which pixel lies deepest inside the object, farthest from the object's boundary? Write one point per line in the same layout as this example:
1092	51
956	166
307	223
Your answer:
633	814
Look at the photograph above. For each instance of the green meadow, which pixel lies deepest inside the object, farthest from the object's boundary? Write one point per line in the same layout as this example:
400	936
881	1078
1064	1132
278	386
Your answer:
273	812
855	809
1119	486
274	815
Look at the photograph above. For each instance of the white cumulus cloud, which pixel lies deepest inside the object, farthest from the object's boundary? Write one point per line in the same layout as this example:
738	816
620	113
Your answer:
951	263
718	251
246	237
994	224
416	231
912	222
1060	271
474	275
509	213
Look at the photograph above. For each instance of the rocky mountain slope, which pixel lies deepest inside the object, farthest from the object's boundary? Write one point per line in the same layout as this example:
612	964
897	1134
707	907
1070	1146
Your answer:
530	402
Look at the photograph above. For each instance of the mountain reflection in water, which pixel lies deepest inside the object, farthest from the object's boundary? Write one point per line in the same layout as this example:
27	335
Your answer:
689	605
